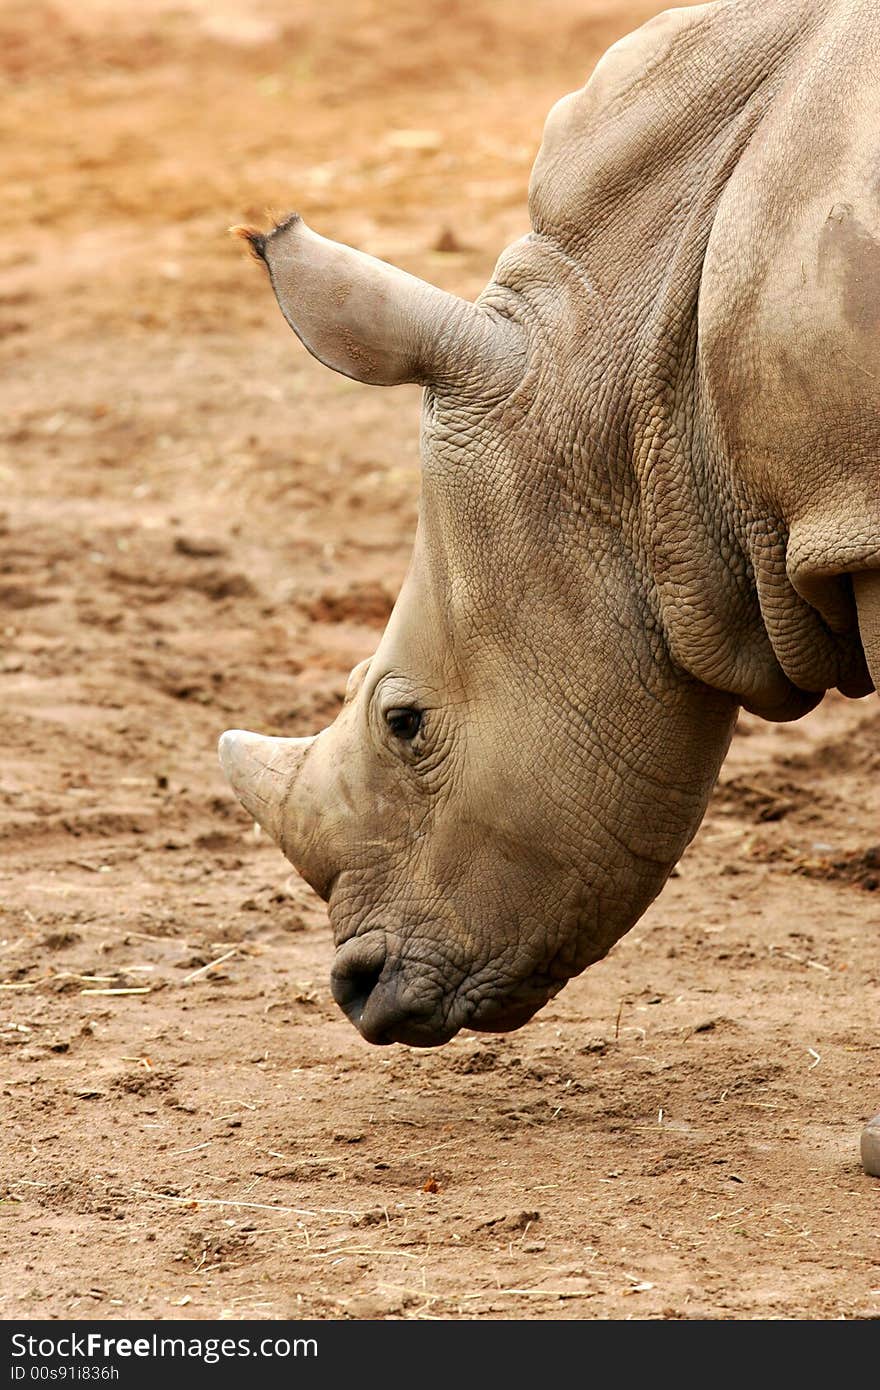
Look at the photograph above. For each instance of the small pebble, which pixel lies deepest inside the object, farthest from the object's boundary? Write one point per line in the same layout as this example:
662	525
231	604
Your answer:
871	1147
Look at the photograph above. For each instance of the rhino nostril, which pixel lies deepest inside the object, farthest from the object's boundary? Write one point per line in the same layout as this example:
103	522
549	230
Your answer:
359	963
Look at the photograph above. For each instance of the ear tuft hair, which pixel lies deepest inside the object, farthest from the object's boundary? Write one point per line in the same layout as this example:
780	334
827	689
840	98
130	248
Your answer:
283	224
255	240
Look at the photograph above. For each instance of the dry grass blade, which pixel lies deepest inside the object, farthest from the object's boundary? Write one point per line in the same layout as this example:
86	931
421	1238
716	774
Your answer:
531	1293
361	1250
255	1206
203	969
132	989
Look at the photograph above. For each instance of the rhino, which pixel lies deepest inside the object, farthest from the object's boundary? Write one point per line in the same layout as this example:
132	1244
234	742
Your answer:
650	496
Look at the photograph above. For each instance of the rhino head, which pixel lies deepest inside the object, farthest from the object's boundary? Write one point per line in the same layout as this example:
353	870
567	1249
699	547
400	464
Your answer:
516	770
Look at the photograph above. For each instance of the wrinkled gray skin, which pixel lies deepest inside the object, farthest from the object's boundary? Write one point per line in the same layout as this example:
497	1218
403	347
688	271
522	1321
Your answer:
650	492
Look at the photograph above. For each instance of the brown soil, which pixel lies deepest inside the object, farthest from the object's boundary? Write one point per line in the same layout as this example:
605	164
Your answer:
203	528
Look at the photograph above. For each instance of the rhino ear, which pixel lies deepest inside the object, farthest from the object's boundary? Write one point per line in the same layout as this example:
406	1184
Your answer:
365	318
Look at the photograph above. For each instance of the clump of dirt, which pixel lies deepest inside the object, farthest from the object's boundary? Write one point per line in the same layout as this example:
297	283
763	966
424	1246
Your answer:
859	867
762	803
360	603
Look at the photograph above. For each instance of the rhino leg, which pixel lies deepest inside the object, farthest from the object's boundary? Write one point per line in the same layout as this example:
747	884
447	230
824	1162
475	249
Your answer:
866	587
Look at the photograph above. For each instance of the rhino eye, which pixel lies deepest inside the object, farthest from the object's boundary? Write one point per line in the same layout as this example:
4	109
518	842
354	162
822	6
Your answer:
404	723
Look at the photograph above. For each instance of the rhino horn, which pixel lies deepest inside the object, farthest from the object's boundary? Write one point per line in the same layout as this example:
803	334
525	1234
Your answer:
261	772
369	320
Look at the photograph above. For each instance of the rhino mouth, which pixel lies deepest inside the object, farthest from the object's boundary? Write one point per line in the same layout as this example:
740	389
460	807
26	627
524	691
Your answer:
389	999
383	1000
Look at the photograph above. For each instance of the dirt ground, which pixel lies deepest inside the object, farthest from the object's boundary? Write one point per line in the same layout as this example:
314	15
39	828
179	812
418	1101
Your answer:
202	528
